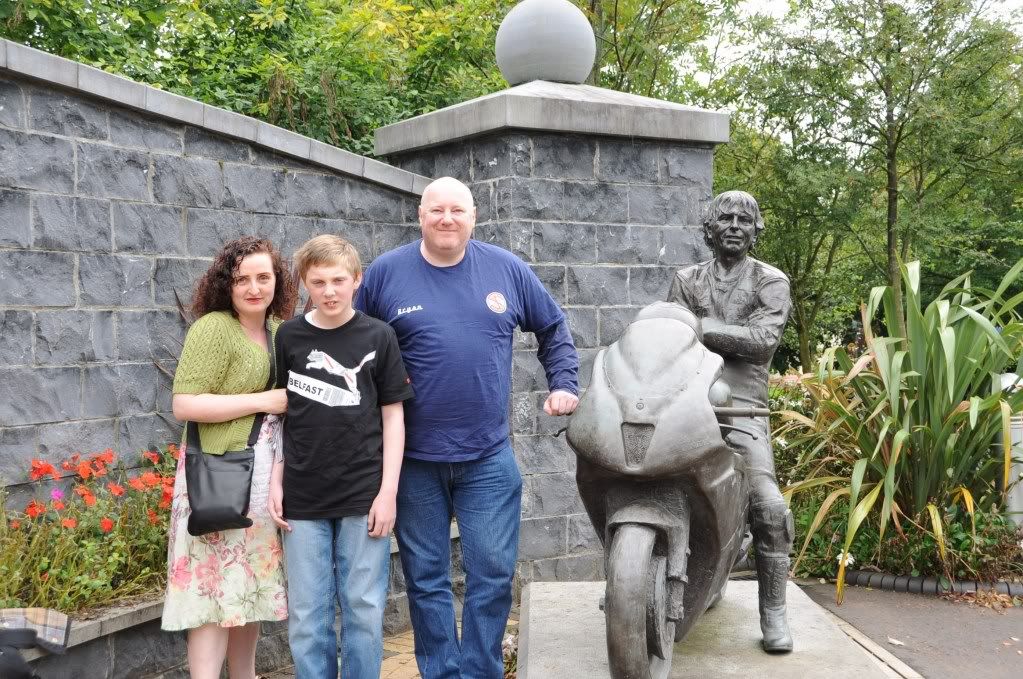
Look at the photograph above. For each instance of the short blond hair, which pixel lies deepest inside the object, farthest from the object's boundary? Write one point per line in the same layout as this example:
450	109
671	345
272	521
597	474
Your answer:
327	250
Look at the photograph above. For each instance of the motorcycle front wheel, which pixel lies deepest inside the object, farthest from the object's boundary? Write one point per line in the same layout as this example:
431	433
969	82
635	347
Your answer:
639	635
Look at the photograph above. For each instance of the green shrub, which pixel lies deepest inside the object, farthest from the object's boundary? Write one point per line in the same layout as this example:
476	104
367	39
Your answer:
905	432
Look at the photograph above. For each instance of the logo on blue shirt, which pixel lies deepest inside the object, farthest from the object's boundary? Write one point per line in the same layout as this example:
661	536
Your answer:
408	309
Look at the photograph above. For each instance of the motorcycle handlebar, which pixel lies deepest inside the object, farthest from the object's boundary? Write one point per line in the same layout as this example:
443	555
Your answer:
737	411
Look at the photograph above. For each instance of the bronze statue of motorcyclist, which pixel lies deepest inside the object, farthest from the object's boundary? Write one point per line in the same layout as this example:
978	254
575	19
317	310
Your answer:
743	305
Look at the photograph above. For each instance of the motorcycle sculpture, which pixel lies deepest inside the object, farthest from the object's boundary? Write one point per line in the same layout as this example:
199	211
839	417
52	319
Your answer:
665	493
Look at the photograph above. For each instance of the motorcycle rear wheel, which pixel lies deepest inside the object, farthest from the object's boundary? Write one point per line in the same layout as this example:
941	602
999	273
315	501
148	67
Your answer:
639	635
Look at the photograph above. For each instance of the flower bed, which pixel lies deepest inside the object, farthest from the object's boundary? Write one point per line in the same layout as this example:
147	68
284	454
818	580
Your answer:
95	534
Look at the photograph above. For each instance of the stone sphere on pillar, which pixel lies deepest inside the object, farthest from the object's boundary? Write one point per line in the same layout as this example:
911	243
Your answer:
545	40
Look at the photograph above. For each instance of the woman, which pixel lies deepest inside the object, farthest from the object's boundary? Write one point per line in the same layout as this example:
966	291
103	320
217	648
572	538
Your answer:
222	584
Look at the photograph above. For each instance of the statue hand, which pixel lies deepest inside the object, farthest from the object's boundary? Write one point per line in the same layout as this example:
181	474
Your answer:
710	324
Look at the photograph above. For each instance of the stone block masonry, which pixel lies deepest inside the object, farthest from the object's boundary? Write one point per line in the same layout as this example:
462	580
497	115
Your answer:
603	221
109	214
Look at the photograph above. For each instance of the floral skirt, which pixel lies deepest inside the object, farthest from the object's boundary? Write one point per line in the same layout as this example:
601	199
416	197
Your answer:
231	577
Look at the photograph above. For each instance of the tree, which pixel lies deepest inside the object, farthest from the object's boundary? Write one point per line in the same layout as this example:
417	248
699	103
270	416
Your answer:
332	69
808	198
646	46
920	92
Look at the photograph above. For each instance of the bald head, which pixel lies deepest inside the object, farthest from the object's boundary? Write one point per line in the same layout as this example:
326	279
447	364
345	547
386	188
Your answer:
447	188
447	216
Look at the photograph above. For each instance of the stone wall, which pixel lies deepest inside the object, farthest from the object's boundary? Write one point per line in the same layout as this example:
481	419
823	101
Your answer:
107	217
603	222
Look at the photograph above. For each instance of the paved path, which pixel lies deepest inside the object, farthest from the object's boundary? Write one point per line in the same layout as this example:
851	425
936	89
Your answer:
942	639
399	658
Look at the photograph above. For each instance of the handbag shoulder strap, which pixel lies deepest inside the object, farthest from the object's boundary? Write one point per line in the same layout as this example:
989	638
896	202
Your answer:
257	422
192	440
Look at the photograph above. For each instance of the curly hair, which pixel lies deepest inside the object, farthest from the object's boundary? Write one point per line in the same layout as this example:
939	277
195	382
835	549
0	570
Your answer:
213	291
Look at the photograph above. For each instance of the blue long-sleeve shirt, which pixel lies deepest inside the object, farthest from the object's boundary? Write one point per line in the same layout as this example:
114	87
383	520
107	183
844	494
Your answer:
455	327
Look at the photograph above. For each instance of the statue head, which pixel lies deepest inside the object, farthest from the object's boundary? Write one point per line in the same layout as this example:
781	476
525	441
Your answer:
732	224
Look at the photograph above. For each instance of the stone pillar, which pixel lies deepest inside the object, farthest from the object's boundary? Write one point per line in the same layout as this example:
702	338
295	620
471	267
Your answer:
601	193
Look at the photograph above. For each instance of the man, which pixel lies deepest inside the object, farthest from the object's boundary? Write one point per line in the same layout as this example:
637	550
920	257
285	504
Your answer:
744	304
454	304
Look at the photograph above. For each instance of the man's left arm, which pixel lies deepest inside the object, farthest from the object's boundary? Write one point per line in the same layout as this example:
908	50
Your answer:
542	316
759	337
560	362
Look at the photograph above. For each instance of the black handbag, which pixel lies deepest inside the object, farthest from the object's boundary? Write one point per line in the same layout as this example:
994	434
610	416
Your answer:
218	485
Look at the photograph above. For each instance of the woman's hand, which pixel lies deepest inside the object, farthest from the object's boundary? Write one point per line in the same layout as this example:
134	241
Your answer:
276	401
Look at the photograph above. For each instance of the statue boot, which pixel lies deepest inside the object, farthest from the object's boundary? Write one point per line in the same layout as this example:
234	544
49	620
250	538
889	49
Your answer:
772	528
773	576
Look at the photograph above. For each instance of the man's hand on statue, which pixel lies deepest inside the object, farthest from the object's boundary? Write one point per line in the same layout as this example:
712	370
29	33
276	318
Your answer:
560	403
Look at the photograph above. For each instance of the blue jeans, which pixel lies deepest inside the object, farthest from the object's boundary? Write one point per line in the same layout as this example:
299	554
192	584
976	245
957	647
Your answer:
327	558
485	496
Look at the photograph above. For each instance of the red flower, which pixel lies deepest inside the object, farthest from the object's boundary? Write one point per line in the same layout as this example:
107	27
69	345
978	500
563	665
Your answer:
151	479
41	469
137	484
98	468
173	450
106	457
167	497
58	505
106	524
15	524
115	489
34	509
153	517
151	456
87	497
69	523
85	470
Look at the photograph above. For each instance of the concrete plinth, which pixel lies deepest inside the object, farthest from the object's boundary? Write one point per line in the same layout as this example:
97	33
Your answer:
563	635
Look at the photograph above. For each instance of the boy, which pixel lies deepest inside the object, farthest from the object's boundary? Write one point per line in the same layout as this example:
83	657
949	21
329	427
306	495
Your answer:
333	489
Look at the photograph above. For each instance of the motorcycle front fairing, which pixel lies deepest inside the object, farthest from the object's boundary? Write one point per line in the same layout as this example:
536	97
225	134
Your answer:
649	444
647	412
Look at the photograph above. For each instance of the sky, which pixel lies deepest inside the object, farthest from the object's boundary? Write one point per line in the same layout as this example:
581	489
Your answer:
776	8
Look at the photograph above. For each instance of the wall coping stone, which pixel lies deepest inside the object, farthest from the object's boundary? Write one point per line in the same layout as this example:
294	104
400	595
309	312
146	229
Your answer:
557	107
33	63
118	618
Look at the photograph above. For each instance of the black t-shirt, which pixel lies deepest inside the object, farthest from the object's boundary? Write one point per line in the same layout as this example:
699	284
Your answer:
337	380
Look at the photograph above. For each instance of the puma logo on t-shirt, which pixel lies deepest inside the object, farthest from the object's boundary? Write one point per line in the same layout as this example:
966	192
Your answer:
325	393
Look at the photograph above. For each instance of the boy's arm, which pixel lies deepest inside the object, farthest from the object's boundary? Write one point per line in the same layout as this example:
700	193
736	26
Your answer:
382	513
275	498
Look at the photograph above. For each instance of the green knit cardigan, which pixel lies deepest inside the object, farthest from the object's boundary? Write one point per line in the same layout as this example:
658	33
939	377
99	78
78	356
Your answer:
219	358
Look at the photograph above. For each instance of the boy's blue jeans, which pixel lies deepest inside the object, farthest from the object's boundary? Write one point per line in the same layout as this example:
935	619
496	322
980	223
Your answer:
485	497
328	558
